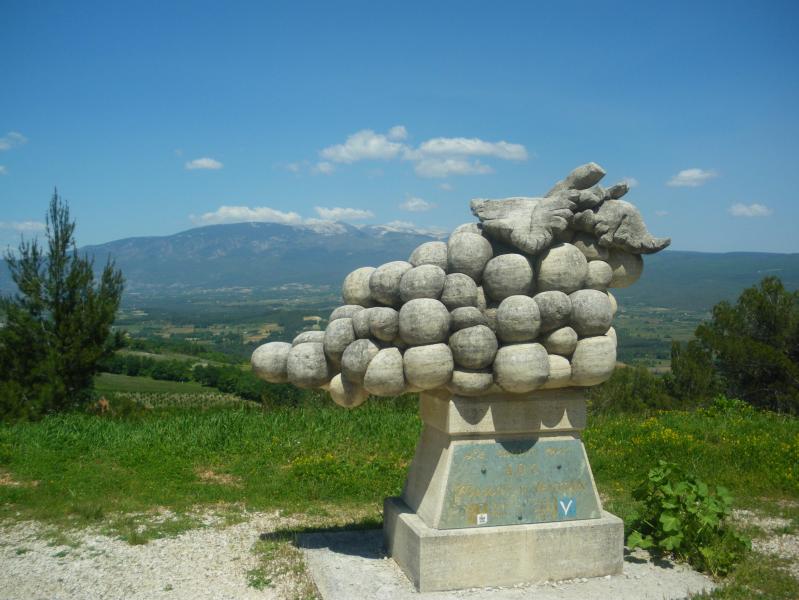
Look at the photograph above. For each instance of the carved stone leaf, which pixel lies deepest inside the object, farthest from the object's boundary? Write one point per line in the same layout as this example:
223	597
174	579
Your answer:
618	224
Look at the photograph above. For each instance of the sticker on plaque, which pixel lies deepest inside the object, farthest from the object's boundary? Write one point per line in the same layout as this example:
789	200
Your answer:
567	507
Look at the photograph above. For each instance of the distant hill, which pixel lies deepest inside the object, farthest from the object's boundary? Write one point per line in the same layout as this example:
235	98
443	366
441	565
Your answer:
698	280
265	255
257	255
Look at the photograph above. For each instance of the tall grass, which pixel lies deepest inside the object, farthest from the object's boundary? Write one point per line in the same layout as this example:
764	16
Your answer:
288	458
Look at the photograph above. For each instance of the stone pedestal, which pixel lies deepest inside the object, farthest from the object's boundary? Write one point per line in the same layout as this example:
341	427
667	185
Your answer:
500	492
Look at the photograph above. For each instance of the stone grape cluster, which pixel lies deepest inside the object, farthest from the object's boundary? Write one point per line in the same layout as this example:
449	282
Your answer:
515	303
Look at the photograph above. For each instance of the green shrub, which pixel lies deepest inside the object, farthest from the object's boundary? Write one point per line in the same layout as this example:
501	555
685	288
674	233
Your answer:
749	350
683	516
630	389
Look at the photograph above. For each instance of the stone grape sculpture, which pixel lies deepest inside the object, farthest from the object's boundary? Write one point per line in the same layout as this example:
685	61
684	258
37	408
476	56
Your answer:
514	303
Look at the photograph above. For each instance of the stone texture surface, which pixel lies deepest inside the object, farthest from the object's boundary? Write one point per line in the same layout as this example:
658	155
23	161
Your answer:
560	372
593	360
346	311
618	224
599	275
473	347
384	282
468	382
562	268
562	341
360	323
507	275
356	359
436	560
307	366
338	335
309	336
555	309
428	367
269	361
355	289
521	367
385	375
614	305
424	281
423	321
518	319
627	268
347	393
383	323
430	253
346	565
589	246
466	316
459	290
468	253
581	178
592	313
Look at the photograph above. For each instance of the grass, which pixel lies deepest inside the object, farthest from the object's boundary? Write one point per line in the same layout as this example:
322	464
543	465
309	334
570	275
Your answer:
74	469
87	467
106	383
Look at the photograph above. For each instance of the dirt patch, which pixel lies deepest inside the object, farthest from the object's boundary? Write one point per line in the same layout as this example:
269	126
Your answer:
775	541
210	476
767	524
785	546
7	480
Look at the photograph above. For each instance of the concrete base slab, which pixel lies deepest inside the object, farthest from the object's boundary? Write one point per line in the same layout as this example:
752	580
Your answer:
353	565
436	559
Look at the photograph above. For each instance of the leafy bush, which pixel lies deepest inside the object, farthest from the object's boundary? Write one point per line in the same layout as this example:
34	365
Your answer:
683	516
630	389
693	375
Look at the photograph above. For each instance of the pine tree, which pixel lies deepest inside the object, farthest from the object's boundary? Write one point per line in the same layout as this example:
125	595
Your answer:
57	325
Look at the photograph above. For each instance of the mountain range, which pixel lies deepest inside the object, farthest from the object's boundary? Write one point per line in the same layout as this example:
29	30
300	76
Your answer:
268	255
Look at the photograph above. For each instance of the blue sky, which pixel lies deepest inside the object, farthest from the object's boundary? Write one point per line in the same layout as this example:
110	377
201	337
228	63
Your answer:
152	118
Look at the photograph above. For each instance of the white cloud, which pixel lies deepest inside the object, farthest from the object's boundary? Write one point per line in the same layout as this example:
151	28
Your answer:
661	213
204	163
447	187
436	157
691	178
444	167
397	133
460	146
338	213
324	167
293	167
750	210
365	145
240	214
630	181
24	226
11	140
3	170
414	204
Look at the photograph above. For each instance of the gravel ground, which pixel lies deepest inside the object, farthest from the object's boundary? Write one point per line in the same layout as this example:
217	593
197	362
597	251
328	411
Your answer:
783	545
210	562
206	563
